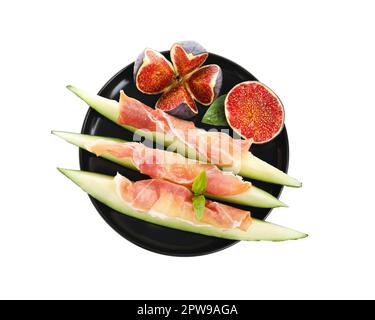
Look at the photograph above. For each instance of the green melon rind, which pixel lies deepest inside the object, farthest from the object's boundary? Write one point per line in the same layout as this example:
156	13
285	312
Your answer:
110	109
254	197
255	168
251	166
82	140
103	188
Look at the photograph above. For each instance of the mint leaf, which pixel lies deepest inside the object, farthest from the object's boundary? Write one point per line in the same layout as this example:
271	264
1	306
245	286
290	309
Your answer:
215	115
200	183
199	187
199	203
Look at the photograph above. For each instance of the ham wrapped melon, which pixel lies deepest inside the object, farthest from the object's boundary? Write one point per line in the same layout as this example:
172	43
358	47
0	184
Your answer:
183	137
172	166
163	203
163	199
214	147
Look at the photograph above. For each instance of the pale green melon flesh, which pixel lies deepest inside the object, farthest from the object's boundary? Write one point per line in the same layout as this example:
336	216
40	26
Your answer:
103	188
254	197
251	166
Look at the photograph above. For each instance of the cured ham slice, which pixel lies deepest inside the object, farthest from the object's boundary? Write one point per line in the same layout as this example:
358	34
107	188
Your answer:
215	147
166	199
171	166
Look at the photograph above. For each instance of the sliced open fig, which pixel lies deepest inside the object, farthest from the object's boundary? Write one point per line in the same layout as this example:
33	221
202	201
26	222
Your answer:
182	83
254	111
178	102
153	73
187	56
205	83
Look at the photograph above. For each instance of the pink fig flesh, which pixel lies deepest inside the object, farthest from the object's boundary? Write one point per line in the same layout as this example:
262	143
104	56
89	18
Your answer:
153	72
186	58
204	84
254	111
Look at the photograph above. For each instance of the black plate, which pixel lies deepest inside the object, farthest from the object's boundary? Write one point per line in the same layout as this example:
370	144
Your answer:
152	237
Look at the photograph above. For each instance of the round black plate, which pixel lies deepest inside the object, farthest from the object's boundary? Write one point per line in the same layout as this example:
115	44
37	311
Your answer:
152	237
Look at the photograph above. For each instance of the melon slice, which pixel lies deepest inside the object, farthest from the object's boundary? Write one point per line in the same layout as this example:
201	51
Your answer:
106	190
254	112
223	186
137	117
167	199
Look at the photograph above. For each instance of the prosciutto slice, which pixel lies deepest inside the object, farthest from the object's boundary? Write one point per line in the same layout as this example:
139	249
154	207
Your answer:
171	166
165	199
215	147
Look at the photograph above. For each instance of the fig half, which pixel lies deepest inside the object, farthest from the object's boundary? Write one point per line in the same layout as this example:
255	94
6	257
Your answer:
153	73
187	56
205	83
254	111
178	102
181	83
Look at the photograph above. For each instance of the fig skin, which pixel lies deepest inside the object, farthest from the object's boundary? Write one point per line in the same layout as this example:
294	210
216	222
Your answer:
218	85
192	47
137	64
182	111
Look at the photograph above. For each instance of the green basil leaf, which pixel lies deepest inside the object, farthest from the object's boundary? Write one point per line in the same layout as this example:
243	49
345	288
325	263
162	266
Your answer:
199	203
215	115
200	183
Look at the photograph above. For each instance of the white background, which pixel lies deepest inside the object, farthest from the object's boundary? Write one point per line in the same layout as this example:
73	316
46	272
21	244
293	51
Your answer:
319	58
